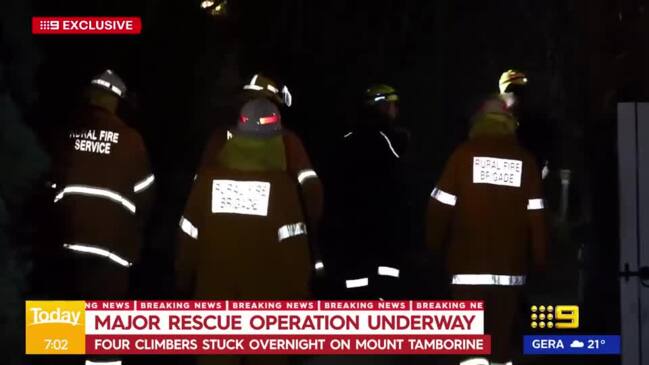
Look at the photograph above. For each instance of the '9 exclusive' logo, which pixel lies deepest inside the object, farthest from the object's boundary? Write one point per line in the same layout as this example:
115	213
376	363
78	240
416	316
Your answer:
560	316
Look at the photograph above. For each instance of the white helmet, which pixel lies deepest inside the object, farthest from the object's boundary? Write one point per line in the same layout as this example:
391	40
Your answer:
110	81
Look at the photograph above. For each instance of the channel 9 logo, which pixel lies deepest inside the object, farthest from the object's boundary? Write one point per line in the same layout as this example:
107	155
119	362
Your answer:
559	317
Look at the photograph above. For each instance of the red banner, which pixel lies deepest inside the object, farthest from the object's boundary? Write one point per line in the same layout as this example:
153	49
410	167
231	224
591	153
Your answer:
86	25
288	344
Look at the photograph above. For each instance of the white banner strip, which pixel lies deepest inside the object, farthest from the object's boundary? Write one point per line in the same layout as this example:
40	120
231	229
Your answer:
291	230
98	251
95	192
187	227
535	204
388	271
144	184
304	175
444	197
375	322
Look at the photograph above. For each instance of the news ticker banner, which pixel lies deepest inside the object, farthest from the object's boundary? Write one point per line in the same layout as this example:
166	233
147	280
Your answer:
255	327
130	25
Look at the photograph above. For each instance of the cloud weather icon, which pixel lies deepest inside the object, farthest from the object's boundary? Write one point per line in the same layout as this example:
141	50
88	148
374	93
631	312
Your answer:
576	344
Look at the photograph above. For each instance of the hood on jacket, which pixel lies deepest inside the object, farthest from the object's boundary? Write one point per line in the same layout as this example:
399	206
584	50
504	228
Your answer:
493	119
248	153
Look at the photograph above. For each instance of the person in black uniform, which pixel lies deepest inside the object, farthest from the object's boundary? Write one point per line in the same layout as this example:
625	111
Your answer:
362	238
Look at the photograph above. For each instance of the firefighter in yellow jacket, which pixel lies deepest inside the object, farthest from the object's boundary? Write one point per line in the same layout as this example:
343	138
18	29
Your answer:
243	230
298	163
486	216
102	185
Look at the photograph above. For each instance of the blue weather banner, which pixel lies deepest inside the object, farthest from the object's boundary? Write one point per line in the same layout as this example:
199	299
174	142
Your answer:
571	345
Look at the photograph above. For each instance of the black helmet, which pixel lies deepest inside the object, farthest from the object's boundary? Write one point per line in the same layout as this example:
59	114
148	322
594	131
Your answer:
259	118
